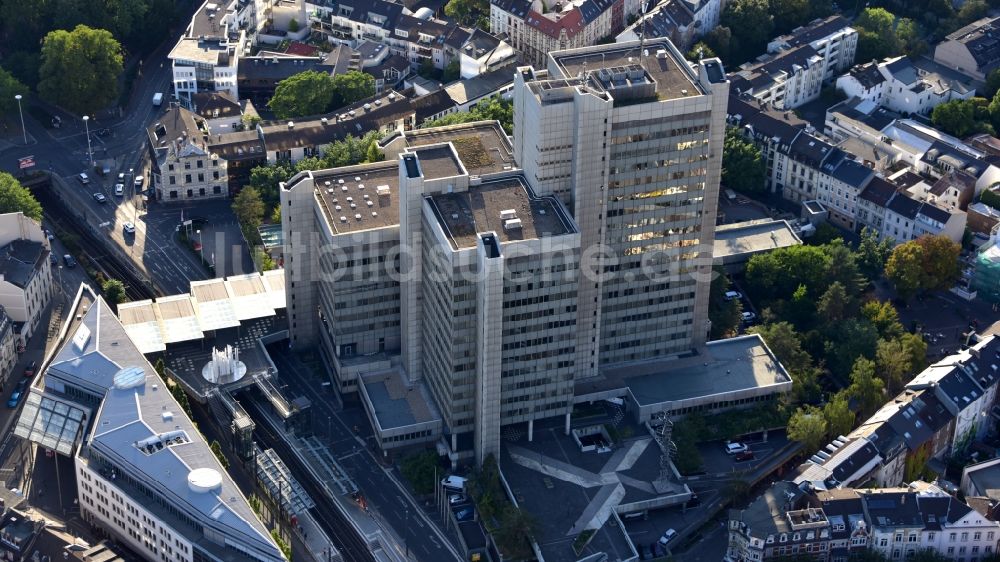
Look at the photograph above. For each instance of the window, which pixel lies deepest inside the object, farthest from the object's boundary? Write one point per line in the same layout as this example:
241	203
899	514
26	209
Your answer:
977	536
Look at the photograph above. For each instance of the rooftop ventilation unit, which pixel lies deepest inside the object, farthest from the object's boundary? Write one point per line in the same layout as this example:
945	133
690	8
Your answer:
512	224
507	214
382	190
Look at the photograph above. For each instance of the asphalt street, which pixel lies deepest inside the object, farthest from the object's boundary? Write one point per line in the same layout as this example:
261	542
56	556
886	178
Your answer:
394	506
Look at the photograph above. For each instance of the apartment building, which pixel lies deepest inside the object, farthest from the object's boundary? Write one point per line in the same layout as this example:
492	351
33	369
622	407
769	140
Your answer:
799	64
681	21
768	128
144	474
25	273
973	50
206	57
456	267
905	85
536	28
836	525
184	168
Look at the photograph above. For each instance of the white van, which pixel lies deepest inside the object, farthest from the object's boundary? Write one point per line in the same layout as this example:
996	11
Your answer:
456	483
157	99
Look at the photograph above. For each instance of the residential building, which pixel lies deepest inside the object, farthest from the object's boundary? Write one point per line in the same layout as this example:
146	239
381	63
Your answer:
832	38
207	55
257	76
797	66
242	152
221	111
467	93
467	199
291	141
905	85
835	525
972	50
536	28
25	273
982	218
183	166
769	130
872	202
838	189
8	349
144	474
677	20
908	218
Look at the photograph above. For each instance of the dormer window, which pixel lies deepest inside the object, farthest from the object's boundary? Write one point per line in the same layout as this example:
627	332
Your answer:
784	538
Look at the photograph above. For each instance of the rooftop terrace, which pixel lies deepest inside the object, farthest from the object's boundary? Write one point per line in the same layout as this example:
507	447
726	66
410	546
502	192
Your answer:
486	208
483	147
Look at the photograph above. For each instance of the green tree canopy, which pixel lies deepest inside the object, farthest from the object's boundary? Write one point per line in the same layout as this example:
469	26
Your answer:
779	273
80	69
786	345
940	265
701	50
840	418
867	390
305	93
847	341
872	254
724	314
10	87
496	109
751	24
352	86
720	40
835	304
808	426
114	292
877	37
789	14
249	210
905	269
743	167
15	197
884	317
468	12
962	117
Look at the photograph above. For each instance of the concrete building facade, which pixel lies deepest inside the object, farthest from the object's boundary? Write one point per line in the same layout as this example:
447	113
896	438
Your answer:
25	273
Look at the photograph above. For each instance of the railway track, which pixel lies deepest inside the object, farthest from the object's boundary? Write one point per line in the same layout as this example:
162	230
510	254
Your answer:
352	547
92	245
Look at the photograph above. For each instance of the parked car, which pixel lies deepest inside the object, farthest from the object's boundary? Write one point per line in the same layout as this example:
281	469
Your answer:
49	235
744	456
455	499
100	198
119	189
121	177
84	179
465	514
734	448
748	316
30	369
69	261
129	228
139	180
733	295
667	537
17	395
53	259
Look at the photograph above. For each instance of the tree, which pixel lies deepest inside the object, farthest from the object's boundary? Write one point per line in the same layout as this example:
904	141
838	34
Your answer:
808	426
293	25
834	305
877	37
992	84
893	364
751	24
305	93
452	71
494	109
779	273
916	350
940	265
80	69
250	120
724	314
352	86
786	344
720	40
9	87
700	51
872	254
905	269
160	368
847	341
217	451
789	14
911	37
743	167
514	535
249	210
419	470
866	389
884	317
843	267
114	292
839	416
958	117
14	198
374	153
467	12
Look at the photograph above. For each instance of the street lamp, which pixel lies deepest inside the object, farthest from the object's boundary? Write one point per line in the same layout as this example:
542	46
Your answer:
201	247
23	130
90	153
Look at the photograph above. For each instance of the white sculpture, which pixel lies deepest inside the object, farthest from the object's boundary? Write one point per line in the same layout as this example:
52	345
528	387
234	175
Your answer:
225	366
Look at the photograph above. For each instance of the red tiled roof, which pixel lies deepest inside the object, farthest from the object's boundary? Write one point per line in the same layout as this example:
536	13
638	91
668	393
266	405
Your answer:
571	22
301	49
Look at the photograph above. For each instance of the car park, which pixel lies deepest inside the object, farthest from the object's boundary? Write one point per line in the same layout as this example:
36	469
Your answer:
668	536
128	228
69	261
733	295
100	198
734	448
119	189
83	178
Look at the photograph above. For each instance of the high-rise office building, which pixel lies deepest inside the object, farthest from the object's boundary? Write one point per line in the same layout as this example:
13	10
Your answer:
470	282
